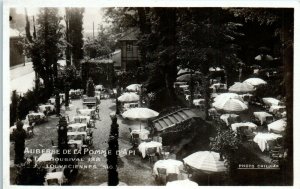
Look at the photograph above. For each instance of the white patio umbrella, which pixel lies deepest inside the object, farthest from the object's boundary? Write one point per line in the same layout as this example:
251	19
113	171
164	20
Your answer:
133	87
264	57
128	97
186	71
226	96
239	87
187	76
207	161
277	126
140	114
182	183
255	81
230	105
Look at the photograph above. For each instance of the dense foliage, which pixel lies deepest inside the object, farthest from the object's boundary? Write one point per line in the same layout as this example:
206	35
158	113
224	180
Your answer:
74	36
45	50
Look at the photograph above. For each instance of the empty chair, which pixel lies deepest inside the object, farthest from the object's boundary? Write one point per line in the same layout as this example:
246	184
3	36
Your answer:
269	119
162	176
151	153
77	120
172	177
53	181
189	170
135	139
83	120
165	152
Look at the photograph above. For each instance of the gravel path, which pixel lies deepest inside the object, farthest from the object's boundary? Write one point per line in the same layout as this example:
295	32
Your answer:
133	170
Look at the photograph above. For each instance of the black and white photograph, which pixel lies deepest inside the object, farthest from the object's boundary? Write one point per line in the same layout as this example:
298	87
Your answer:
150	96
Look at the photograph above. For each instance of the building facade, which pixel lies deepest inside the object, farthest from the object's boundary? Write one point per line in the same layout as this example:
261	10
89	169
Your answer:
130	54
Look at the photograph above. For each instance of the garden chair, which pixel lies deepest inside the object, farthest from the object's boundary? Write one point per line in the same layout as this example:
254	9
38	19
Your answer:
165	152
162	176
53	181
135	139
269	119
77	120
151	153
189	170
172	177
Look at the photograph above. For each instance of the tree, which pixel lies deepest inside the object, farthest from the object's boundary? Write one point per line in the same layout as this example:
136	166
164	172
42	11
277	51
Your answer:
74	34
46	49
283	21
227	144
57	102
19	136
62	135
112	157
14	107
217	48
90	88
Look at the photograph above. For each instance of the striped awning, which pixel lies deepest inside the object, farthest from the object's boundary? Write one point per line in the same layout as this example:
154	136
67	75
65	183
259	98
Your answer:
173	118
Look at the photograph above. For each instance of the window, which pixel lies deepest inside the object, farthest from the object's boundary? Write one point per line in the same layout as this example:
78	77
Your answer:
129	46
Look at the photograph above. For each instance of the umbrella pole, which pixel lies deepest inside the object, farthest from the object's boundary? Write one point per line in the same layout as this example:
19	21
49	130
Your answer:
140	126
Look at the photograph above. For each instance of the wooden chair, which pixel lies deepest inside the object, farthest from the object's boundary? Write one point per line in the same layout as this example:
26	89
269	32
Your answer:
151	153
189	170
53	181
135	139
77	120
162	176
165	152
172	177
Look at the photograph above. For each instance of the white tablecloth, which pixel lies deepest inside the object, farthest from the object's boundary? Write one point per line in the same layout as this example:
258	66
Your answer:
86	112
77	92
78	142
11	129
73	135
35	115
171	165
145	145
52	100
234	126
198	102
262	140
261	116
143	133
82	118
270	101
225	117
42	108
62	95
218	86
278	125
275	108
45	157
56	175
78	127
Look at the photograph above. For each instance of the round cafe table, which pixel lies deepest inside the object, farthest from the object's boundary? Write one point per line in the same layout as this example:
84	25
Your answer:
171	166
145	145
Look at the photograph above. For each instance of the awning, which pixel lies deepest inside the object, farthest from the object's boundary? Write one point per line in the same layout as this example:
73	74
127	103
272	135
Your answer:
173	118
